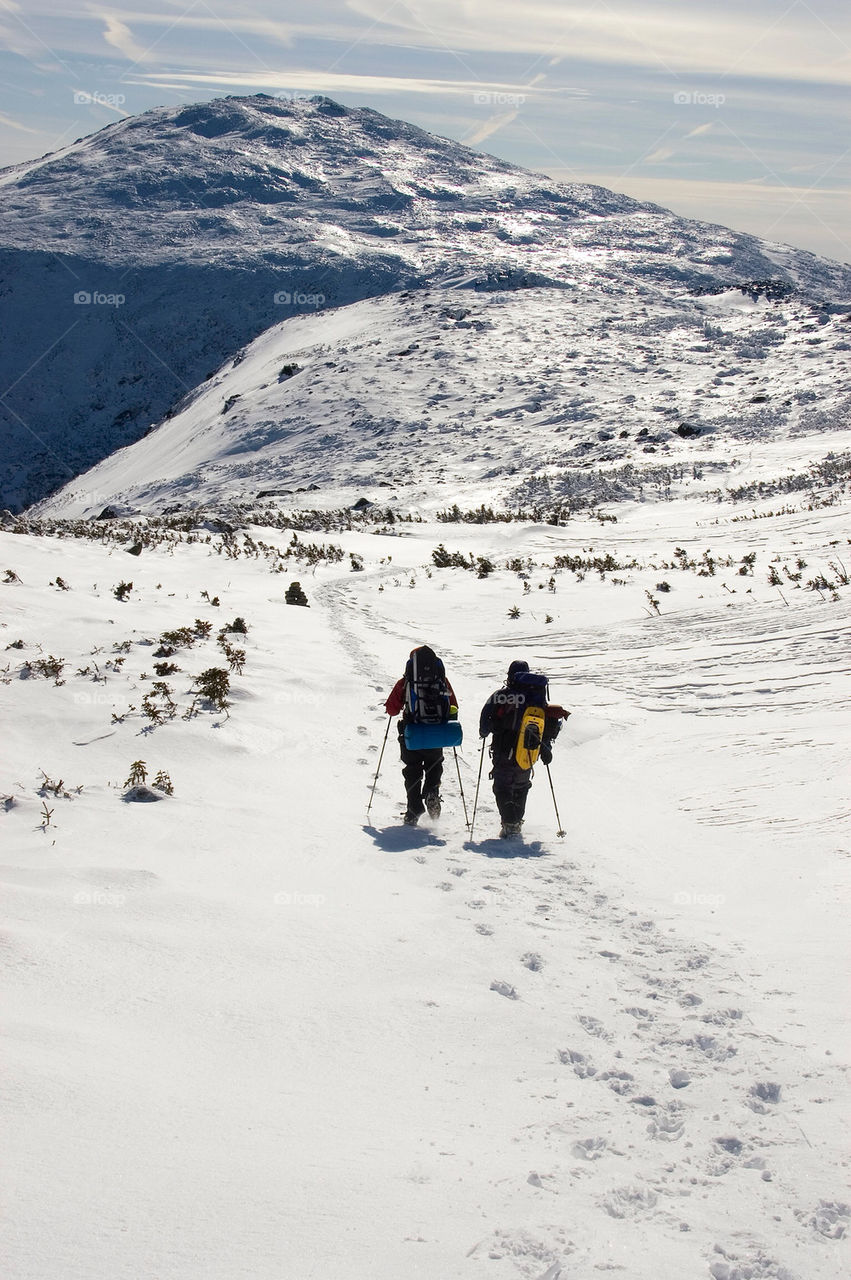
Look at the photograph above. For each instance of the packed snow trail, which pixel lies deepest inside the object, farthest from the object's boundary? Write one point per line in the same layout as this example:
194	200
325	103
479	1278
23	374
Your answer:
248	1036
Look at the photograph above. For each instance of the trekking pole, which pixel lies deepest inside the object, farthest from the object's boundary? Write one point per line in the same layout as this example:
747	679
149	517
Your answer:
478	781
561	831
460	787
378	770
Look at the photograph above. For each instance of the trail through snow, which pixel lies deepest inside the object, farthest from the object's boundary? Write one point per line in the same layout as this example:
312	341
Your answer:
251	1034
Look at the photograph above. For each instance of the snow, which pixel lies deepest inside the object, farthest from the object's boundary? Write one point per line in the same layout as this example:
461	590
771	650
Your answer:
249	1033
199	217
457	388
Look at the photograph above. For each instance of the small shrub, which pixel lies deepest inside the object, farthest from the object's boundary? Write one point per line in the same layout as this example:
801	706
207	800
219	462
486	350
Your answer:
214	685
295	595
138	774
165	668
122	591
514	612
162	782
50	668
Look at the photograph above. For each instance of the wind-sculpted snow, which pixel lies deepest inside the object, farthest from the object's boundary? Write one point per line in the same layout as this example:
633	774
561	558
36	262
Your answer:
250	1030
542	396
135	261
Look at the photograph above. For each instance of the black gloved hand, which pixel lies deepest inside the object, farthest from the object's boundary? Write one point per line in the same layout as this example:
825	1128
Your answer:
546	752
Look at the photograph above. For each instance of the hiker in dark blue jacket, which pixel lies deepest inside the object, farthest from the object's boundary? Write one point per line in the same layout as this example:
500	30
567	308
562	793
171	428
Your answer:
502	716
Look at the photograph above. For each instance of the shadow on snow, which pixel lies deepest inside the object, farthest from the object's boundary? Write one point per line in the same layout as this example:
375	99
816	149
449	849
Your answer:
400	839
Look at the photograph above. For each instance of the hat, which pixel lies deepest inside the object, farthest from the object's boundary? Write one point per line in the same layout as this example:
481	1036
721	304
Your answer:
516	667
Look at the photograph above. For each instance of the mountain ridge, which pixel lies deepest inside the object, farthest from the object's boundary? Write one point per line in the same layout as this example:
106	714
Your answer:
210	222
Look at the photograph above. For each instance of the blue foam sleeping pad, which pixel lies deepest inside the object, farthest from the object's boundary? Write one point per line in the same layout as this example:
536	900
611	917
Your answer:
426	737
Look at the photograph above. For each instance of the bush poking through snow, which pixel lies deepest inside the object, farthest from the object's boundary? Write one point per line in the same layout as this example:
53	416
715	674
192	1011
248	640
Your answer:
162	782
122	591
50	668
295	595
138	773
214	685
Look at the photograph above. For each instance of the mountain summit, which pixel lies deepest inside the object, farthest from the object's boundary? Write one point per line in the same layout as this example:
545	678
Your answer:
139	260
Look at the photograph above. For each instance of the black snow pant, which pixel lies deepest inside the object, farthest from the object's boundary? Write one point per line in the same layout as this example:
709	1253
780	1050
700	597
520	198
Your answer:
422	771
511	786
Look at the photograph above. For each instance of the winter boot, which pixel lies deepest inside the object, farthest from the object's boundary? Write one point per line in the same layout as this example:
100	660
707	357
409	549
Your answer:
411	819
510	829
432	803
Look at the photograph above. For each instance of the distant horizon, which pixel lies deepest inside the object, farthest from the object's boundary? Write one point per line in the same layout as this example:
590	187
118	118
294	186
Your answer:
728	116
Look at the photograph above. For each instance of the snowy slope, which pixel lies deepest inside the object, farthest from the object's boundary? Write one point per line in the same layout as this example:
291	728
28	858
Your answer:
538	394
184	225
251	1034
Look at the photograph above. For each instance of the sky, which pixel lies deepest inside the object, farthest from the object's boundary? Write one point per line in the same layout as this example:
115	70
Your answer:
733	112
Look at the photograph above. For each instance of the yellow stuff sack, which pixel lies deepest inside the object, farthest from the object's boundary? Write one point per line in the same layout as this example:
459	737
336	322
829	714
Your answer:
530	736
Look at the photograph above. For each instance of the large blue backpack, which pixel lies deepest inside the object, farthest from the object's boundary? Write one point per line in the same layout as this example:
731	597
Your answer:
427	702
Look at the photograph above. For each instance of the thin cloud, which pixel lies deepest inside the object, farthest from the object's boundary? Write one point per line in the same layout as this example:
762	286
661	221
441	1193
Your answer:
10	123
121	38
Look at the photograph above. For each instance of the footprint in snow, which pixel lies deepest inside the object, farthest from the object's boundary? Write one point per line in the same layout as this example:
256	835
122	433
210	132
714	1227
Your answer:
582	1065
618	1081
629	1202
589	1149
505	989
764	1091
485	930
712	1048
593	1026
532	961
667	1125
830	1219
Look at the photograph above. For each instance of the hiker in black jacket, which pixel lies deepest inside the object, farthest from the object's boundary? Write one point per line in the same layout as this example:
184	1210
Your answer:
502	716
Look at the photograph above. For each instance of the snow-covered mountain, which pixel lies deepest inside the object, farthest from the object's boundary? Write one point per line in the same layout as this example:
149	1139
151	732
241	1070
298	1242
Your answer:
533	395
137	261
256	1025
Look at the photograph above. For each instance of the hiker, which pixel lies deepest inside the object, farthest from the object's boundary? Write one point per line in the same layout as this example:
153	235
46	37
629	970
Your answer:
429	723
524	725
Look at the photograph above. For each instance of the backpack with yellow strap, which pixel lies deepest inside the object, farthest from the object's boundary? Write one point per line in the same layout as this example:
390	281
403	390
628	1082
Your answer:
530	731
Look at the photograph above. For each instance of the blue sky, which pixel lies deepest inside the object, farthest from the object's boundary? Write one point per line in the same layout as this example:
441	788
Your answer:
736	113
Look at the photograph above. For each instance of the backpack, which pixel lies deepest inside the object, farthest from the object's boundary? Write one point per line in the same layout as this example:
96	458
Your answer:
426	692
532	717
